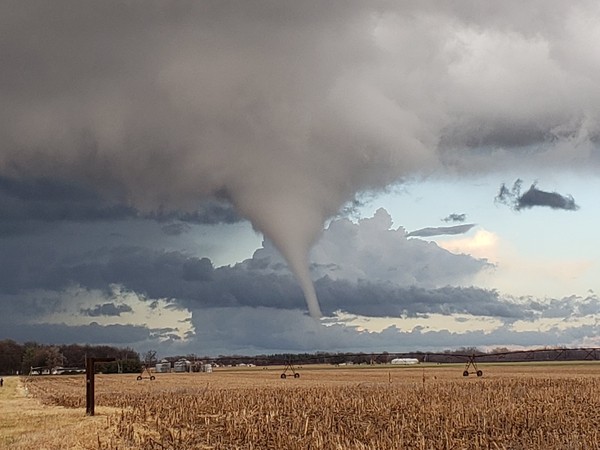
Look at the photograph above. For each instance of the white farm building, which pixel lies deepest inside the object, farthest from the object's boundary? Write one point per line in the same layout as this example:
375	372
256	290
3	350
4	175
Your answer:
405	361
163	367
182	365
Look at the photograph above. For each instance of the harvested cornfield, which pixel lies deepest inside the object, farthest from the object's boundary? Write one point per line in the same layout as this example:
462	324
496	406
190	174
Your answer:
518	407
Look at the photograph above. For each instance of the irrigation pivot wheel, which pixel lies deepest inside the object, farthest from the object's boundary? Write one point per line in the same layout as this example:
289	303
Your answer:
289	367
149	375
472	363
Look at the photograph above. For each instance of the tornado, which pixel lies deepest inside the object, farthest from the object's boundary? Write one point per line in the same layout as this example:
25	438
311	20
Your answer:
293	224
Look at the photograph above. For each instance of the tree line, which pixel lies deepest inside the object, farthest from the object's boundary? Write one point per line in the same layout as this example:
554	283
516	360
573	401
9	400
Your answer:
18	358
461	355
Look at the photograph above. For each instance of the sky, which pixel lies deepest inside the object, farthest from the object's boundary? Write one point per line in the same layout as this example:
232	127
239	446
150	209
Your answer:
220	177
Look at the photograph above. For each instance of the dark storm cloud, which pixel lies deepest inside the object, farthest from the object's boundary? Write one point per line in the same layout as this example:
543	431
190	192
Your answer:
129	110
534	197
29	205
176	228
367	250
437	231
106	309
243	303
286	111
380	300
157	274
209	212
501	135
455	218
66	334
194	283
50	200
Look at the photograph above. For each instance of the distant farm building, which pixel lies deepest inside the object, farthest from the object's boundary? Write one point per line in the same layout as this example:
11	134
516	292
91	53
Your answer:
405	361
182	365
40	370
163	366
67	370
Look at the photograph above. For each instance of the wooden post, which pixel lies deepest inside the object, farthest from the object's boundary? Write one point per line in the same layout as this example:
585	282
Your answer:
89	382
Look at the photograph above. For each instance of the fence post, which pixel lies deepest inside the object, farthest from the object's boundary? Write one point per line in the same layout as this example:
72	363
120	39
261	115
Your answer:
89	382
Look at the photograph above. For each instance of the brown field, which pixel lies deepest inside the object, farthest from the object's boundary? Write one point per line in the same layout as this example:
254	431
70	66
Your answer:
513	406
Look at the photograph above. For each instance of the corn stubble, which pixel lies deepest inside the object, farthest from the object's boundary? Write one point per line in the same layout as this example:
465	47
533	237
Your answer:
499	413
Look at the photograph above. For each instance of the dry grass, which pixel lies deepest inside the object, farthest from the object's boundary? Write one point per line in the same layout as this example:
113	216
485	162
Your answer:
26	423
429	407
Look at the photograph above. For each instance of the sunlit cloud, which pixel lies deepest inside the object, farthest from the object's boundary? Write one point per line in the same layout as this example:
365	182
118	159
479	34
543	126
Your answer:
484	244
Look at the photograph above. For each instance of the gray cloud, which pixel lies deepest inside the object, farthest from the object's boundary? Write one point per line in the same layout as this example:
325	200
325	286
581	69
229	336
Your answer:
259	308
121	335
455	218
286	112
193	283
249	330
50	200
47	200
534	197
210	212
379	272
254	330
106	309
437	231
183	114
386	300
176	228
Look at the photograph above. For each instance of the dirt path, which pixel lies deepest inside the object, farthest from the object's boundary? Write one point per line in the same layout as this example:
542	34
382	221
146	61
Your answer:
26	424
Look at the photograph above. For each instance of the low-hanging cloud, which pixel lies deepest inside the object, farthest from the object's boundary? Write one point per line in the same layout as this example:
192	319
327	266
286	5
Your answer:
121	335
285	111
254	330
362	268
47	200
438	231
534	197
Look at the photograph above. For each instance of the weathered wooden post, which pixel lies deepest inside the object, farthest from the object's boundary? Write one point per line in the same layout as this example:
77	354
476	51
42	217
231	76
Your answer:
89	382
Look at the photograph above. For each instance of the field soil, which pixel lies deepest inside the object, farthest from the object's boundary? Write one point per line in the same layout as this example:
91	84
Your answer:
512	406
